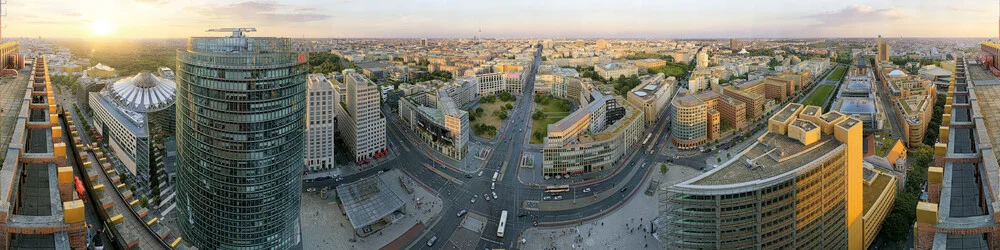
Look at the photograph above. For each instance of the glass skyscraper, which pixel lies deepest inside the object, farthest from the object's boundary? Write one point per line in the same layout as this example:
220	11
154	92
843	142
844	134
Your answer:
240	122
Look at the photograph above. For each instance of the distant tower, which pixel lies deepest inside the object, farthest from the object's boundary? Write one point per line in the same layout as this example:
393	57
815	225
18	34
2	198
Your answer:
734	44
883	50
423	41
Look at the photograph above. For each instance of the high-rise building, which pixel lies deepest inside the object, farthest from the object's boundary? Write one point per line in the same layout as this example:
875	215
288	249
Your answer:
798	187
359	121
423	41
320	123
883	50
734	44
701	60
241	105
136	115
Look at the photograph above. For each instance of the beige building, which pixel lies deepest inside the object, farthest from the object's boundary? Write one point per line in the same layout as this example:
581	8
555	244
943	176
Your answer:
689	122
653	96
649	63
321	114
616	70
359	120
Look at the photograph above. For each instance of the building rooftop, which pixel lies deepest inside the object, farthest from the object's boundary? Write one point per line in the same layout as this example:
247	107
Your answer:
631	113
872	191
787	112
368	200
772	155
856	105
143	92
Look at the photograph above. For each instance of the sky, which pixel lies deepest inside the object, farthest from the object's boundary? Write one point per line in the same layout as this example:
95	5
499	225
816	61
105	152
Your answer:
503	18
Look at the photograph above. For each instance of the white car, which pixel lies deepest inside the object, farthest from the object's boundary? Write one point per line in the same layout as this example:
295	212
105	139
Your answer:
487	197
495	195
473	198
586	190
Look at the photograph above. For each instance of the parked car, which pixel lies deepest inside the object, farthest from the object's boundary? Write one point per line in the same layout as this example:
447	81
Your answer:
433	239
557	197
586	190
546	198
487	197
494	195
460	213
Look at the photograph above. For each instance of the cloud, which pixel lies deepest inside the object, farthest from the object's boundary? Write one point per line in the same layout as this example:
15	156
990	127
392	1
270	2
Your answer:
154	2
264	11
969	10
857	13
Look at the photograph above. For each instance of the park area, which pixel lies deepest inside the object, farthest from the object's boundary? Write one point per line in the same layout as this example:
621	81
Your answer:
820	96
837	74
548	110
492	111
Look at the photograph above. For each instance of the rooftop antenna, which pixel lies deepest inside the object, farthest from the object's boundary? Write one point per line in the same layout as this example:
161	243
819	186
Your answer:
237	32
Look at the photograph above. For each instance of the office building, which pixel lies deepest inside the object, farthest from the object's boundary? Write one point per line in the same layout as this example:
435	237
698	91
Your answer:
961	183
423	41
136	117
496	83
616	70
648	63
799	186
882	49
438	122
360	123
321	116
701	60
241	108
593	138
734	44
38	206
688	126
653	96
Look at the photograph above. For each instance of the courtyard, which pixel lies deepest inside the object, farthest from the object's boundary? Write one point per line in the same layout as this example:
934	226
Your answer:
549	110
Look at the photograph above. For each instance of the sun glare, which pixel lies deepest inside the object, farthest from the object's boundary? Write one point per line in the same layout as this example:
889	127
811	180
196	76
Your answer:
102	27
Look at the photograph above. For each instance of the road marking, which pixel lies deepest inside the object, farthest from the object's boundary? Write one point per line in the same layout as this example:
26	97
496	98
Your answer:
443	174
490	241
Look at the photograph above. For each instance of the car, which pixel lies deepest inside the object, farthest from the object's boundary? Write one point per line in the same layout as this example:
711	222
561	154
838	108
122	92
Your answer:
473	198
460	213
557	197
468	175
521	215
433	239
380	172
487	197
623	189
586	190
493	186
310	180
480	173
495	195
340	179
546	198
311	190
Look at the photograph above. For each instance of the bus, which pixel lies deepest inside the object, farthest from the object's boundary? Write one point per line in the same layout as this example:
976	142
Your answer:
647	139
503	223
557	189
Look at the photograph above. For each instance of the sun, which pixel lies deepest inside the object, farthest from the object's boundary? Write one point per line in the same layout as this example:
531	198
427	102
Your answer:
102	27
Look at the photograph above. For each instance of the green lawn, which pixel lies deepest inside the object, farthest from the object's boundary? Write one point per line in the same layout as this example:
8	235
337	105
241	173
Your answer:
820	96
871	192
488	118
552	115
837	74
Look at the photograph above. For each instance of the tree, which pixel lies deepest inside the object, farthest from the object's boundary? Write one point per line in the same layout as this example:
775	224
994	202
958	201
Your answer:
538	135
479	110
718	159
537	115
502	115
663	169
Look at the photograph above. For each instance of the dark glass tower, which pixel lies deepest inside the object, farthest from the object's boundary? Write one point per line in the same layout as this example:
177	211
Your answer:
240	122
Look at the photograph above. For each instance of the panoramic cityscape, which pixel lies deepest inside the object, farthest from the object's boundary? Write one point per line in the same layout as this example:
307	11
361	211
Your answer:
392	124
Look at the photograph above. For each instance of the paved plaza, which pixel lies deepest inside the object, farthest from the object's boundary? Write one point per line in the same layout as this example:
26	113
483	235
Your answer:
626	228
324	224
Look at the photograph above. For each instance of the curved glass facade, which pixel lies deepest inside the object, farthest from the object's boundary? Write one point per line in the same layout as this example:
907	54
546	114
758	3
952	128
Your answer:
240	124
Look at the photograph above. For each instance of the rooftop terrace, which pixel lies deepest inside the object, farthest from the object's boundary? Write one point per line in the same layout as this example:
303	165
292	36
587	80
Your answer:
773	155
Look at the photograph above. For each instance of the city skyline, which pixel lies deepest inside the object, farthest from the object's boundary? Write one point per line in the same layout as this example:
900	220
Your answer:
508	19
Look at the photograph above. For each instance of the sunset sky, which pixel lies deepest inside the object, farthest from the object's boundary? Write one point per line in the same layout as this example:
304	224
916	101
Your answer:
504	19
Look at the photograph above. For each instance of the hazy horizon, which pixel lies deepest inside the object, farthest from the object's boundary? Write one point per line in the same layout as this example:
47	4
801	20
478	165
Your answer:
642	19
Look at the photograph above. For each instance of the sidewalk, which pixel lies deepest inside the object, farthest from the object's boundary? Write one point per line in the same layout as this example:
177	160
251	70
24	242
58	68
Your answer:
618	229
